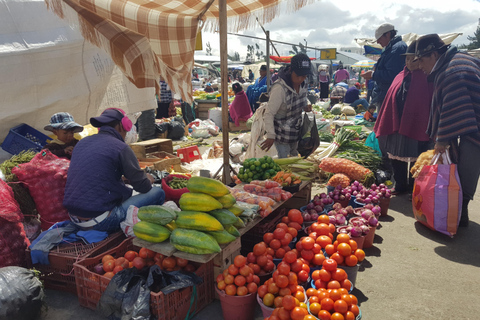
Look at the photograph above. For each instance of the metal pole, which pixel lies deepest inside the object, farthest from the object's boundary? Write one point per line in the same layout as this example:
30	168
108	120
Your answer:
267	33
222	6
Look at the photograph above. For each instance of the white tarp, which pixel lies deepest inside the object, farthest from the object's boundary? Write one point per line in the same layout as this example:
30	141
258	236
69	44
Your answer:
46	67
408	38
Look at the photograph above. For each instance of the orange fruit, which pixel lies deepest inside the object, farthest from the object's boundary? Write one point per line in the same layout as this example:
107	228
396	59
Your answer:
351	260
344	249
315	308
323	218
343	238
340	306
360	254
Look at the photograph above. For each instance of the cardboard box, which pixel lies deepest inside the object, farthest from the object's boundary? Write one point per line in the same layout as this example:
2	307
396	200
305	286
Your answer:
141	149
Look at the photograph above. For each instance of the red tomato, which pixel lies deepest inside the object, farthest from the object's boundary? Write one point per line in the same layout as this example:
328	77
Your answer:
303	276
139	263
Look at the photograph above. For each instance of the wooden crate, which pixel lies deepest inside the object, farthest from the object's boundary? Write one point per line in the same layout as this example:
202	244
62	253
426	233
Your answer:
202	107
141	149
162	163
147	163
242	127
300	198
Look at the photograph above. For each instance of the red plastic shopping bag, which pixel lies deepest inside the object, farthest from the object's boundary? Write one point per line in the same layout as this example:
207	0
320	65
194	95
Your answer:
437	196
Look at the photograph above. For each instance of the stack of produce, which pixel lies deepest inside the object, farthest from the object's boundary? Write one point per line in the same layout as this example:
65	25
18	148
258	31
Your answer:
303	169
178	182
372	195
344	251
341	195
347	167
286	179
143	258
361	154
269	189
338	214
258	169
342	136
208	218
261	259
330	299
238	279
264	203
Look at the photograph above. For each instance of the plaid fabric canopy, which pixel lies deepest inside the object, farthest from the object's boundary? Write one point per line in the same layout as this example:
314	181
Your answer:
155	39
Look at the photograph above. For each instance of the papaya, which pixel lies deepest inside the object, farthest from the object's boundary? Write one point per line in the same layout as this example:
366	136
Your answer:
209	186
227	200
239	223
150	232
222	237
156	214
171	226
197	221
198	202
194	241
224	216
236	210
232	230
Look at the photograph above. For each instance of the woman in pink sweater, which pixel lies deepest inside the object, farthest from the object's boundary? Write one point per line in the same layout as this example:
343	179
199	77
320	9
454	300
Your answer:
240	107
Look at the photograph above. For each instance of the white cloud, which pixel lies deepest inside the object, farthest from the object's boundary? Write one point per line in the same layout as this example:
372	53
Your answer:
336	23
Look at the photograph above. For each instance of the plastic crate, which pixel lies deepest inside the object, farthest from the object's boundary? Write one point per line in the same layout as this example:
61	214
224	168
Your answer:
59	274
24	137
174	306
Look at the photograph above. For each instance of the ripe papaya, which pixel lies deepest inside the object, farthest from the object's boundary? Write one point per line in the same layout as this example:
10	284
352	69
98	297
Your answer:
239	223
209	186
222	237
224	216
197	221
227	200
198	202
156	214
193	241
236	210
232	230
150	232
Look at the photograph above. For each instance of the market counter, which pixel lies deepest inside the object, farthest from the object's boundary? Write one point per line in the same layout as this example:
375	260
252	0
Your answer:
298	200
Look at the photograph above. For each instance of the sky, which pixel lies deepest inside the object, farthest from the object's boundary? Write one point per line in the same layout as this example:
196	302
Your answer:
336	23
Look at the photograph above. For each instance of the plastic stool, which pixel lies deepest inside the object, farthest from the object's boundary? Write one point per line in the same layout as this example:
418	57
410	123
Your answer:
189	154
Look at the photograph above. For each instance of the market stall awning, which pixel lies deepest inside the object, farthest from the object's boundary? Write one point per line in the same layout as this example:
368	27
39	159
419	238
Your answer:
149	40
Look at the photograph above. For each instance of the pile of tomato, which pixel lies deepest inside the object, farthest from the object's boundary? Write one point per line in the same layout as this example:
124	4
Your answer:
144	257
238	279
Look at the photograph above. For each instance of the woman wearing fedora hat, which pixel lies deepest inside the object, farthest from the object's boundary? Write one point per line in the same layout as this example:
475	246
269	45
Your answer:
403	119
455	113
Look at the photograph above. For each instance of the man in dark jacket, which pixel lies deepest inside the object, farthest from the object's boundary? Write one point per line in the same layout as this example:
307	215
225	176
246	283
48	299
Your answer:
455	112
95	194
391	62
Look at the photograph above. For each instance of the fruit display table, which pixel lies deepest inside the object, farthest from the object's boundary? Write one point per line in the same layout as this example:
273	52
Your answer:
299	199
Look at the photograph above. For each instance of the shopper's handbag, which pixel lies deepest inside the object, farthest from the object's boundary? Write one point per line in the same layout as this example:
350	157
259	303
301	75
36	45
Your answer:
309	138
437	196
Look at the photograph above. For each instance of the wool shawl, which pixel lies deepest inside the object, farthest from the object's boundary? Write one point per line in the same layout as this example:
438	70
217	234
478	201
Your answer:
240	108
412	122
456	99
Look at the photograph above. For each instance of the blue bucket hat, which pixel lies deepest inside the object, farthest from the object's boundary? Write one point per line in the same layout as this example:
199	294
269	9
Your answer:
63	121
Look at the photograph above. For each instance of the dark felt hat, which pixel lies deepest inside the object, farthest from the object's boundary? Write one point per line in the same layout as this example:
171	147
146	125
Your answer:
427	44
411	49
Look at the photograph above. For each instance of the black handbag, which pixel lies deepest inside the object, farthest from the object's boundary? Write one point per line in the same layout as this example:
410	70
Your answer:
309	138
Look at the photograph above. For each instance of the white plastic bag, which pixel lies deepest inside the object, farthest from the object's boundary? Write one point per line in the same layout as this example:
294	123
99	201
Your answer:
258	135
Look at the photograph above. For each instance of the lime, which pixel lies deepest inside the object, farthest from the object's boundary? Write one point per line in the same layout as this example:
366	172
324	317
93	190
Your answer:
241	170
257	163
264	166
252	168
250	174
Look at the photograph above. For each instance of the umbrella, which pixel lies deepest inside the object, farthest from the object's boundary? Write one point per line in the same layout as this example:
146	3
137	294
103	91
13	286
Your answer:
364	64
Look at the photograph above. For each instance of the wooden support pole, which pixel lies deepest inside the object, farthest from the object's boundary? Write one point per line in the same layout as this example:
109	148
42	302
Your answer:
269	76
222	6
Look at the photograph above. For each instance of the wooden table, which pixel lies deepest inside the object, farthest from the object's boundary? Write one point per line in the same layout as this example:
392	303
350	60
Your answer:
299	199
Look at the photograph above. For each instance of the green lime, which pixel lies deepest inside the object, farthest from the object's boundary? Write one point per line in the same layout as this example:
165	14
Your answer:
250	174
264	166
252	168
257	163
241	170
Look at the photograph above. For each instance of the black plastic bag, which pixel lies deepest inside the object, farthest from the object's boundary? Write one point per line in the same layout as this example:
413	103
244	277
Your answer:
21	294
126	297
157	174
146	125
381	176
176	129
128	294
188	112
161	127
309	138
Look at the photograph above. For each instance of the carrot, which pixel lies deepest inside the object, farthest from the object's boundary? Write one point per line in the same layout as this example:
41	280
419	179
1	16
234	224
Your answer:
288	180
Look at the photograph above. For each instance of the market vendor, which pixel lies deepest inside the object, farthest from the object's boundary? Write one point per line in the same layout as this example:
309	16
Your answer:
96	197
64	127
208	88
240	107
288	98
352	97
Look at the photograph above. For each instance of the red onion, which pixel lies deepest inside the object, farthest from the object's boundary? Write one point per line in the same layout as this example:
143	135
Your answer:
372	221
373	186
332	213
343	212
376	210
332	219
323	195
366	214
369	206
349	209
307	217
382	185
312	211
340	219
318	209
317	202
339	187
356	232
314	216
310	205
365	229
356	183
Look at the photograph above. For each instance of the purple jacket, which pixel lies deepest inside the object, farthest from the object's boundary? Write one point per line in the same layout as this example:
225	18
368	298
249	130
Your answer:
94	182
